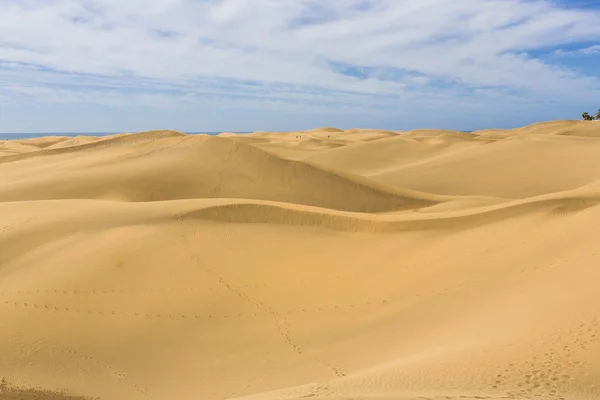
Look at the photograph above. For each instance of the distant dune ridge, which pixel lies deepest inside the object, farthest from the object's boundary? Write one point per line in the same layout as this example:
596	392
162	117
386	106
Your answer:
328	264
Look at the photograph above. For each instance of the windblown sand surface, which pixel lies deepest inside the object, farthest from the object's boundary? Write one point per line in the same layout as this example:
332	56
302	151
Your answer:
324	264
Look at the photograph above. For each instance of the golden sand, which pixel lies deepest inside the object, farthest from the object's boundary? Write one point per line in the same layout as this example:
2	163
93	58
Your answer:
325	264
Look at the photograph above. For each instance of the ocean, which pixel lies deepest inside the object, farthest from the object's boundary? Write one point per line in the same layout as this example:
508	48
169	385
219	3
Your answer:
21	136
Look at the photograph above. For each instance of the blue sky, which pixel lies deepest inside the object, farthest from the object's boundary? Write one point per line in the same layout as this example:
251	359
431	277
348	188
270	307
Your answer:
242	65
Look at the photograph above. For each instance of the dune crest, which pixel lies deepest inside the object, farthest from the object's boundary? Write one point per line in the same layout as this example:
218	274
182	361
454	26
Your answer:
328	264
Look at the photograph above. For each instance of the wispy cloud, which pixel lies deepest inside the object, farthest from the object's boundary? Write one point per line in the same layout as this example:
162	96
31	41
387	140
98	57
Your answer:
590	50
346	53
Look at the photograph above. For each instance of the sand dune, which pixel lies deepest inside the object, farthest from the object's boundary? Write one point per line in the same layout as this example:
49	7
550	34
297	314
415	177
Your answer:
173	166
325	264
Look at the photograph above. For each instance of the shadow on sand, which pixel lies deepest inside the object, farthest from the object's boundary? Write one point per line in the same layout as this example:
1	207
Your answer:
12	393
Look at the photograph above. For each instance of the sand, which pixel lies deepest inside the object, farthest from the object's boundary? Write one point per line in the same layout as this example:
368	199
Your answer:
324	264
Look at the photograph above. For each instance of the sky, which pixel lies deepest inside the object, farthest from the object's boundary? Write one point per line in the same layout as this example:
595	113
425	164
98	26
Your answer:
245	65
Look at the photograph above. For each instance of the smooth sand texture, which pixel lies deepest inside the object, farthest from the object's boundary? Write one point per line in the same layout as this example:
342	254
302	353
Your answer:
324	264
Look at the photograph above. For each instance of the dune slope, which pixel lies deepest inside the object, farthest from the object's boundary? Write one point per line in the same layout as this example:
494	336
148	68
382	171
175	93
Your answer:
171	167
416	265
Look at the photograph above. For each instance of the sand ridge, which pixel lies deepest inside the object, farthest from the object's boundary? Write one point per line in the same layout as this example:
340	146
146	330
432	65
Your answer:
328	264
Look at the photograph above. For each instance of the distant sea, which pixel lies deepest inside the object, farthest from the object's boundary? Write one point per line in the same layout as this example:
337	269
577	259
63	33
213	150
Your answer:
21	136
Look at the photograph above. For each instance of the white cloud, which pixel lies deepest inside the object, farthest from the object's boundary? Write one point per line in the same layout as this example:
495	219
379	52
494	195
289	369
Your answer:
591	50
282	50
595	49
